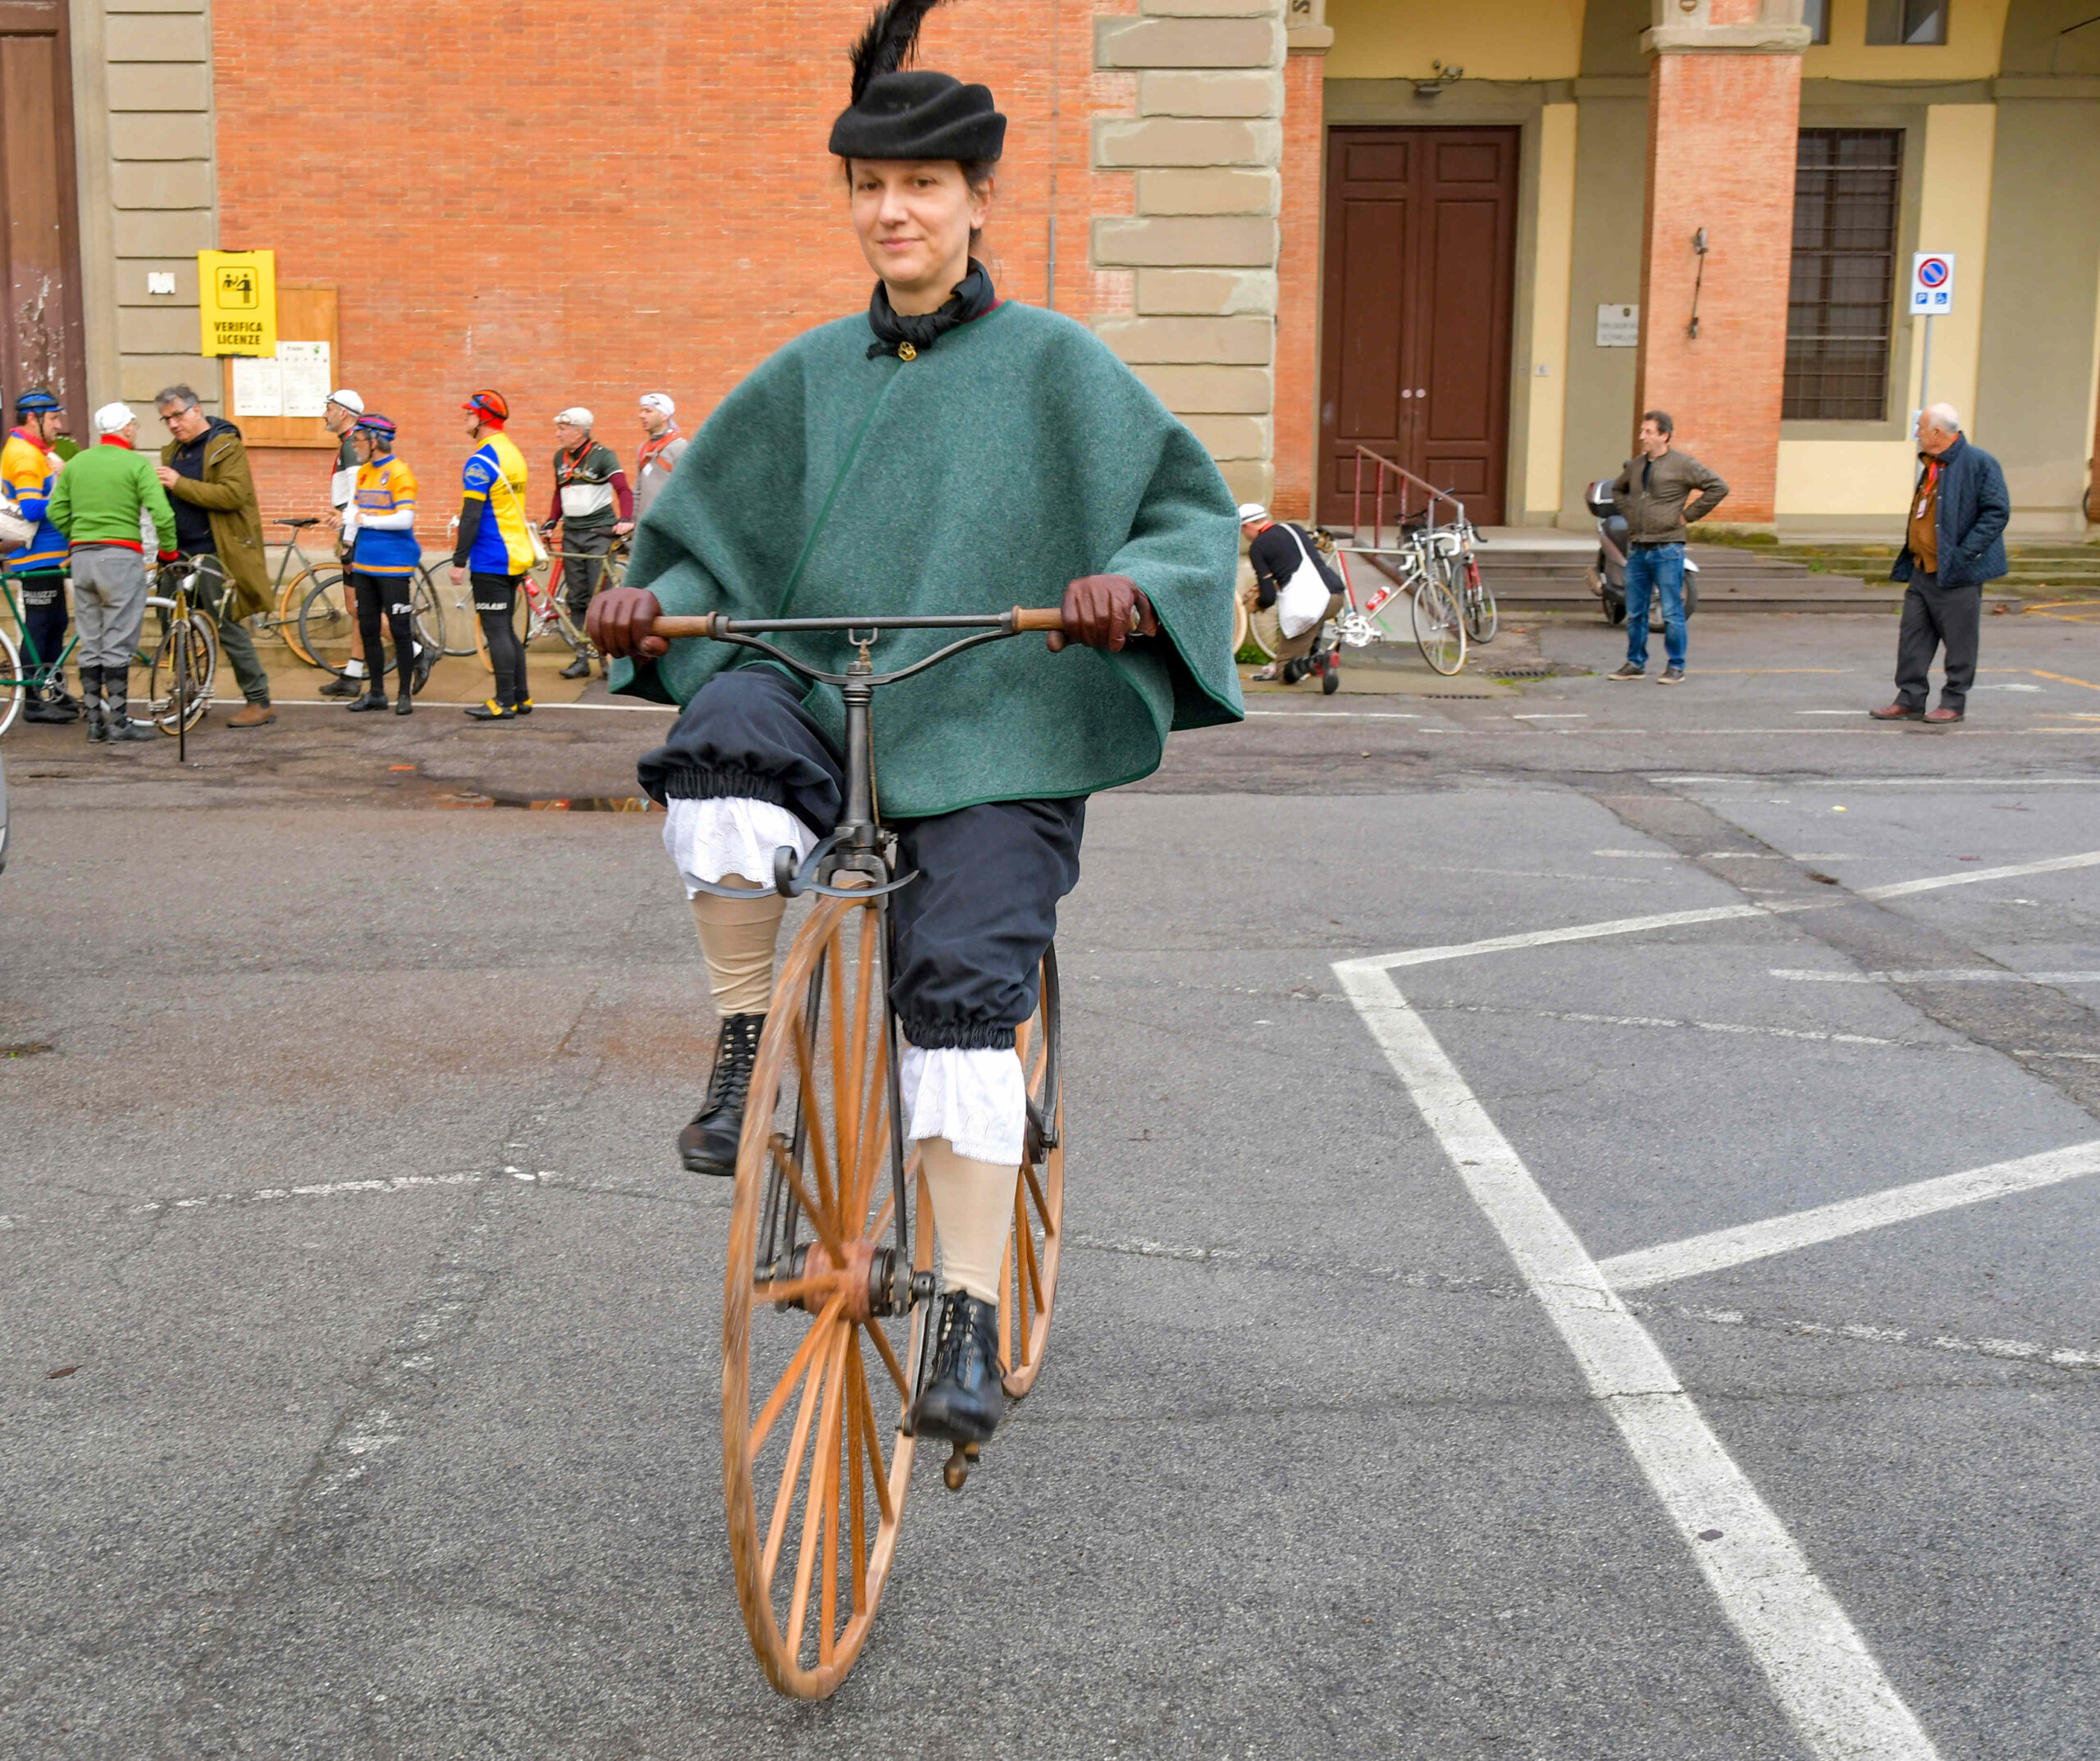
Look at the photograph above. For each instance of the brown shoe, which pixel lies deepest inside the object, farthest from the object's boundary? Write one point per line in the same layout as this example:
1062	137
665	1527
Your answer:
1897	712
255	715
1941	717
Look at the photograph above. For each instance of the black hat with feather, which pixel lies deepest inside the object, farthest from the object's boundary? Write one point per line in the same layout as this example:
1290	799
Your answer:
919	115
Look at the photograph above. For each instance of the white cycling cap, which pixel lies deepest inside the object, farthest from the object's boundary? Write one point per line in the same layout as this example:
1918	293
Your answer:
658	400
348	400
114	418
576	416
1252	511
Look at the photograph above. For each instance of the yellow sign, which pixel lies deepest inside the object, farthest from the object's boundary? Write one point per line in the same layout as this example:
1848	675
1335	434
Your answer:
237	298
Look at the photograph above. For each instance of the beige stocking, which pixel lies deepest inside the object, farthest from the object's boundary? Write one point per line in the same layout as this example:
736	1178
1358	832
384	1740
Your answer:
973	1215
737	937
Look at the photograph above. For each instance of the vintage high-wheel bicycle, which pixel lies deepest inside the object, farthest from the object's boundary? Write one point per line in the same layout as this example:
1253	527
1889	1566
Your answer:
829	1295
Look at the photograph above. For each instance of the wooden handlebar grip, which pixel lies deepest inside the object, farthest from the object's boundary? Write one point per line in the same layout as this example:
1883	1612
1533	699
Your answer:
672	628
1051	619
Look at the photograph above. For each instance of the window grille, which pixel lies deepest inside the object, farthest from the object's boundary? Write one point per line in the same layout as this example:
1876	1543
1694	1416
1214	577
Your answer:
1847	189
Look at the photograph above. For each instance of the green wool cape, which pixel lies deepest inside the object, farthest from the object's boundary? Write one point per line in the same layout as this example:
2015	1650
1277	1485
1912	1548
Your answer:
1015	455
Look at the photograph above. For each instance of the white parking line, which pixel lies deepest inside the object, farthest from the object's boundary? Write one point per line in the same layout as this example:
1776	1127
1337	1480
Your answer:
1819	1666
1950	975
1724	1248
1712	914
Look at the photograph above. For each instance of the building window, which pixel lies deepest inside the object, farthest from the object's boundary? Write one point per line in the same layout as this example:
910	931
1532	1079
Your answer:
1815	14
1907	20
1847	186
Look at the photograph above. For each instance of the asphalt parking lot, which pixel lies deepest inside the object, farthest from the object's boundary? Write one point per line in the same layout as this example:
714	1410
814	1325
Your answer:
1582	1243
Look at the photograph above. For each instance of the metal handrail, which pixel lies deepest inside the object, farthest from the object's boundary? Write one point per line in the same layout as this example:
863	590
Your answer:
1381	466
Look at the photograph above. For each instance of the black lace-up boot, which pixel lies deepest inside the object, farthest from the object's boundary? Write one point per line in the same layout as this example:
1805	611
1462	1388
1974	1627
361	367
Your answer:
709	1144
964	1401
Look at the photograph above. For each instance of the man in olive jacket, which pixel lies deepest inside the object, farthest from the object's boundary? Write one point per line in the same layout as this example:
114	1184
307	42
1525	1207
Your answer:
1651	496
1954	544
204	470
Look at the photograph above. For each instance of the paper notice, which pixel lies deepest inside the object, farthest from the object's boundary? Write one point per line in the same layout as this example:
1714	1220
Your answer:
259	386
305	368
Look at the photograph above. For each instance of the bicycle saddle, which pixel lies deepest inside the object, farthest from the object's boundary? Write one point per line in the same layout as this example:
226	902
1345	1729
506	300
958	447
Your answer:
295	522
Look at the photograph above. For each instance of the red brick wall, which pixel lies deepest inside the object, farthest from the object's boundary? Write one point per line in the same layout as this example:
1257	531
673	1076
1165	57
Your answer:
1721	148
579	204
1298	293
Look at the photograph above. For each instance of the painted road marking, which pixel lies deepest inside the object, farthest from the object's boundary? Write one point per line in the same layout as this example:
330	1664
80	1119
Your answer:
1722	1247
1819	1667
2013	871
1951	975
2001	785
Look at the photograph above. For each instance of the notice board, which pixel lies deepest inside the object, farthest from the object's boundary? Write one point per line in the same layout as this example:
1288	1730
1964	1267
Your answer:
282	389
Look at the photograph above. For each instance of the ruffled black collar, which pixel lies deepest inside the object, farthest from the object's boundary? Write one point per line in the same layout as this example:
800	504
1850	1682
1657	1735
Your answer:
908	338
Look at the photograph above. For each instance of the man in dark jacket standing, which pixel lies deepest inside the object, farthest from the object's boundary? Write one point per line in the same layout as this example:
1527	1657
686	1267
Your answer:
1651	496
1954	544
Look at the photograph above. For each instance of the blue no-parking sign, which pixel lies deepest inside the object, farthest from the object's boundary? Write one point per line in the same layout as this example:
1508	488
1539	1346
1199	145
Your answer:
1931	283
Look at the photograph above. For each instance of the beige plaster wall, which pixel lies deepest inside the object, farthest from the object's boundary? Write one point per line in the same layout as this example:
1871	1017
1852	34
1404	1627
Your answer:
1491	39
1550	289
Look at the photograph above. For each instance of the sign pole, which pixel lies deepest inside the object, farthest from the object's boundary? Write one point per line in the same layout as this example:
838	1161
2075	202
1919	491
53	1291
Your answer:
1925	369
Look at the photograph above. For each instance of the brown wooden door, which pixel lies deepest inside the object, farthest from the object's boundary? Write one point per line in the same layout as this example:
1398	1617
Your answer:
1415	342
41	334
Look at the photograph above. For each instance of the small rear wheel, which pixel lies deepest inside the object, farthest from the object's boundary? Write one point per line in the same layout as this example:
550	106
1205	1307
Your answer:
1027	1280
327	619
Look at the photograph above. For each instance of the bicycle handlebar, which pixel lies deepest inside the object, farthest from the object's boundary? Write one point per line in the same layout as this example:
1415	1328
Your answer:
717	625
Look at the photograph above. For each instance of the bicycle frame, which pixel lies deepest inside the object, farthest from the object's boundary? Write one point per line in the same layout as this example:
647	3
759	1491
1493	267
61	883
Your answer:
36	670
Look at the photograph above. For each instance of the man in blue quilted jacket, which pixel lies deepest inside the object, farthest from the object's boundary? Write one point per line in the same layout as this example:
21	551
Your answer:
1954	544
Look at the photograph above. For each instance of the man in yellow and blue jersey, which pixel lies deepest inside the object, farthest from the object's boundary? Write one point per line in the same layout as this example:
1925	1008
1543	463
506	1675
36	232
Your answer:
384	556
29	468
495	550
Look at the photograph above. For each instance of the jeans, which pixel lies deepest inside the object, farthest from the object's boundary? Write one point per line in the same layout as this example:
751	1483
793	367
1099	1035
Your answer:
235	641
1660	567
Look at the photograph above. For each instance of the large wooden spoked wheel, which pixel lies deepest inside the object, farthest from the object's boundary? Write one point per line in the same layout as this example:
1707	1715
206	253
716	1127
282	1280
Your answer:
814	1472
1028	1281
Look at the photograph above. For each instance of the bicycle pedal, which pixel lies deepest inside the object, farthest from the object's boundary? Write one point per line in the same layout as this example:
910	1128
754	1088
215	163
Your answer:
955	1469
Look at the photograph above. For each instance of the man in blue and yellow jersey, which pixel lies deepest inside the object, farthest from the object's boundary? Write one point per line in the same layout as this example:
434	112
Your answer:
28	470
384	555
495	549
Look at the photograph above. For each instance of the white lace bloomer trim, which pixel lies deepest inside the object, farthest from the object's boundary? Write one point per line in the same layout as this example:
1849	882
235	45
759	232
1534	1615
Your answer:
731	835
975	1098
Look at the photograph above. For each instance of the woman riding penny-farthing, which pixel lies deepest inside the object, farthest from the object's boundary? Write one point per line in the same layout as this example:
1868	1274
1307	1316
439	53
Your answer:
815	587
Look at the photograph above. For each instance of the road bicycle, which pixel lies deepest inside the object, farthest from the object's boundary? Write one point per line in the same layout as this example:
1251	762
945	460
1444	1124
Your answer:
1458	568
829	1295
184	664
21	678
541	608
1433	616
327	619
289	589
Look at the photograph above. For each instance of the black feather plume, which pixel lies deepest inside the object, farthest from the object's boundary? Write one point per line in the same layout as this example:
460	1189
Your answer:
889	41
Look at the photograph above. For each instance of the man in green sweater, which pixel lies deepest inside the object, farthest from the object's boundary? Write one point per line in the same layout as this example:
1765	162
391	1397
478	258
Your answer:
102	501
947	454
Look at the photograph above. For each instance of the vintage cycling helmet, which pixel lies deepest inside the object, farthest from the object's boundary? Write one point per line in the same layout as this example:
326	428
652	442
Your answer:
36	402
920	115
378	427
490	406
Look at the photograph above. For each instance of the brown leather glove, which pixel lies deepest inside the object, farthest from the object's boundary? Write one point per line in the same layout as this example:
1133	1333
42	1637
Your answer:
619	621
1104	611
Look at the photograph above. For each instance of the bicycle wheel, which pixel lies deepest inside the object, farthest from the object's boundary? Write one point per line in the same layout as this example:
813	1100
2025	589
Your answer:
13	687
186	656
1027	1280
828	1284
458	607
327	621
1482	617
427	611
1439	631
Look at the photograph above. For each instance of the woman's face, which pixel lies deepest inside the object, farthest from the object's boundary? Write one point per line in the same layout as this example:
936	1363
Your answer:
914	219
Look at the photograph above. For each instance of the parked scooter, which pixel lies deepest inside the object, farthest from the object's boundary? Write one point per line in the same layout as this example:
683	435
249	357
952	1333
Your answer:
1607	574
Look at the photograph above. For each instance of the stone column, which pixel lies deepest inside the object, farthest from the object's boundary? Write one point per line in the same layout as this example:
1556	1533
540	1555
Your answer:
1204	147
1299	264
1724	115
